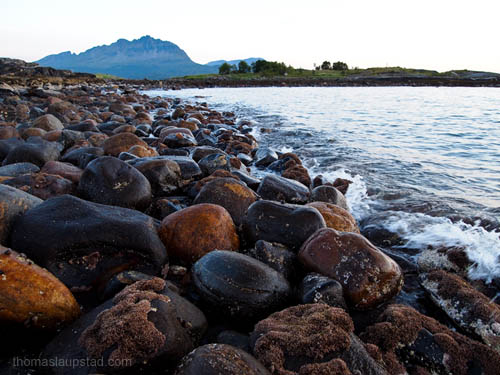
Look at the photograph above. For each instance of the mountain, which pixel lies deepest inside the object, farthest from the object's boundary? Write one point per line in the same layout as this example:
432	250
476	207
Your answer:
146	57
218	63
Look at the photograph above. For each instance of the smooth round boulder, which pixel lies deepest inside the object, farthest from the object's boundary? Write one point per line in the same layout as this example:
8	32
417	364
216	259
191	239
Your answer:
287	224
18	169
191	233
111	181
13	204
84	243
276	188
329	194
276	256
121	142
177	137
65	170
48	123
80	157
42	185
368	276
210	163
164	175
229	193
32	296
336	217
35	151
220	359
265	156
316	288
238	286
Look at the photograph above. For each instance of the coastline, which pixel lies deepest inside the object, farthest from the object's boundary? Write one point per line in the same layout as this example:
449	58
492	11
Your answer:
203	132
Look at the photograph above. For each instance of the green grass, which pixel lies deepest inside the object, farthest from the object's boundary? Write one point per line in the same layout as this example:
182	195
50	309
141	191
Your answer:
106	76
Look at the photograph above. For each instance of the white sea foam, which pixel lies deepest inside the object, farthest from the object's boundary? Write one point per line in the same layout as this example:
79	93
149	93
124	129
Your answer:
286	149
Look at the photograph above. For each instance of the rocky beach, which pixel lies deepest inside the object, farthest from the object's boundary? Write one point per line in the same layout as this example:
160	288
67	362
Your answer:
135	238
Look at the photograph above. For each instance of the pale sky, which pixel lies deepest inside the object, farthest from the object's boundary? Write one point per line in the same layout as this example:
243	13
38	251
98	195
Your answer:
438	34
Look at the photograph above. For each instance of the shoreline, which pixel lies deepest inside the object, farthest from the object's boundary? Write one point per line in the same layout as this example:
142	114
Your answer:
193	158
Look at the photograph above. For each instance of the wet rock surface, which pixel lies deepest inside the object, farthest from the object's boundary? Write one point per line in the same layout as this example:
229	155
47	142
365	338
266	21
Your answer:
281	189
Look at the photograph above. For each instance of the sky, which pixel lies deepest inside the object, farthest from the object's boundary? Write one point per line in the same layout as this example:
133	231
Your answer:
439	34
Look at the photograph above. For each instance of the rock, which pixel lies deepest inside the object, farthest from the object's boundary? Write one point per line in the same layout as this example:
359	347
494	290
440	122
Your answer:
164	175
244	158
311	339
287	224
142	152
239	286
7	132
121	108
48	122
42	185
65	170
178	113
220	359
32	296
452	259
316	288
36	151
84	243
121	143
177	137
190	233
406	339
229	193
18	169
329	194
469	309
201	151
281	189
141	330
236	339
189	168
108	180
368	276
13	204
265	156
33	132
127	128
8	144
336	217
121	280
252	182
80	157
298	173
276	256
213	162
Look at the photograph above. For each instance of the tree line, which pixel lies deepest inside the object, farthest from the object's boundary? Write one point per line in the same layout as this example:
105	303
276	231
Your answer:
273	67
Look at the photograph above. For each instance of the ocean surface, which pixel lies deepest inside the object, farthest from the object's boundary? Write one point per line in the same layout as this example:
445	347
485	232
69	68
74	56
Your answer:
425	162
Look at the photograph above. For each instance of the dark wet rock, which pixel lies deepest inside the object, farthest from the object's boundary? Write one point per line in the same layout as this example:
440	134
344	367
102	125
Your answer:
276	256
285	161
33	132
290	225
125	156
189	168
121	280
452	259
65	170
174	152
96	242
329	194
42	185
336	217
220	359
83	127
265	156
80	157
210	163
141	329
68	138
121	143
316	288
202	151
239	286
13	204
177	137
48	122
252	182
178	113
229	193
18	169
164	175
32	296
195	187
407	339
368	276
195	231
108	127
204	138
36	151
162	207
8	144
245	159
312	339
108	180
469	309
236	339
283	190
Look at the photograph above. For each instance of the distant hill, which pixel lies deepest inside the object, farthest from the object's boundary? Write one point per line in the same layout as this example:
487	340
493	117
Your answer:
218	63
146	57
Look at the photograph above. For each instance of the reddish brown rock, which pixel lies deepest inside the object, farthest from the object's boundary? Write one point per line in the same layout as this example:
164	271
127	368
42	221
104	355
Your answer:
124	129
66	170
190	233
8	132
42	185
336	217
121	143
142	152
33	132
31	295
188	125
368	276
298	173
48	122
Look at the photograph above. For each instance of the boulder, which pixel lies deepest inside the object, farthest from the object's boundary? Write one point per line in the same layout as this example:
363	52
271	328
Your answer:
121	142
108	180
48	122
298	173
32	296
189	168
336	217
80	157
191	233
282	189
229	193
287	224
13	204
276	256
213	162
42	185
164	175
220	359
35	151
316	288
329	194
18	169
239	286
368	276
265	156
65	170
84	243
177	137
